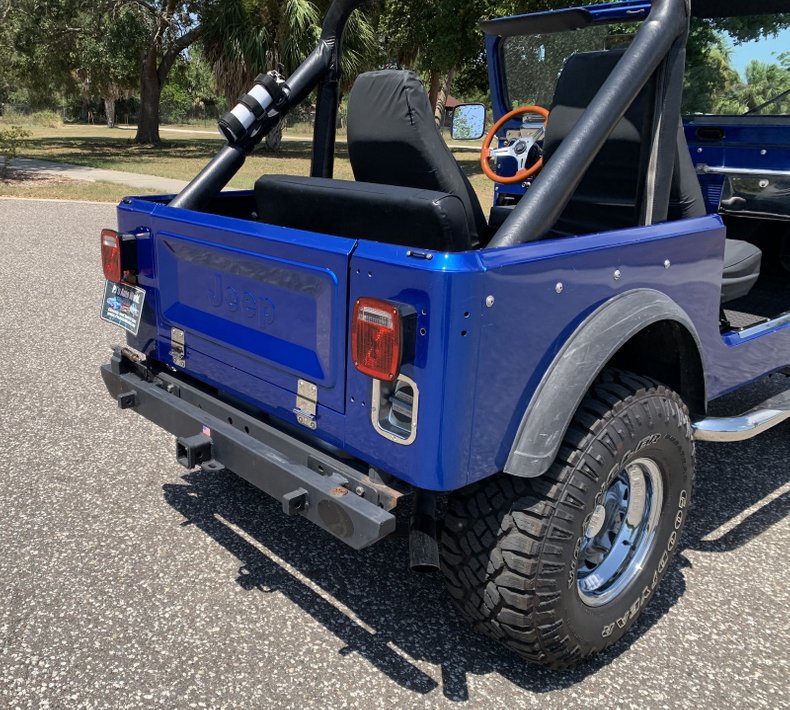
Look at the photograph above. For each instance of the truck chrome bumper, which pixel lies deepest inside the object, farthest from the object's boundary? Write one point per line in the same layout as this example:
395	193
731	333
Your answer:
210	433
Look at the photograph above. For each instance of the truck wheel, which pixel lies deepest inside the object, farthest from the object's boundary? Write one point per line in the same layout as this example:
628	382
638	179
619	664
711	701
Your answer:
559	567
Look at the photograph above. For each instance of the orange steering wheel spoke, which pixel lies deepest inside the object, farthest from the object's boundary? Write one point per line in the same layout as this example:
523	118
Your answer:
519	150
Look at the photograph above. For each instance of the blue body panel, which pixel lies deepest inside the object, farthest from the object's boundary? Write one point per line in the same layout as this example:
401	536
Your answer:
270	303
752	142
264	306
476	367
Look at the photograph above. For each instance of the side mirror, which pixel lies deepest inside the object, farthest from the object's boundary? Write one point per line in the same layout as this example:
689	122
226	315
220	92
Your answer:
469	122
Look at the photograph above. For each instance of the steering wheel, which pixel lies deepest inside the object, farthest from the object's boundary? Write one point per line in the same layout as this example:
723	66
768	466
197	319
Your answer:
518	149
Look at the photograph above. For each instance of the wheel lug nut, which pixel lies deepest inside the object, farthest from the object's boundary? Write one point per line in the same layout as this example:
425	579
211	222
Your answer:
597	519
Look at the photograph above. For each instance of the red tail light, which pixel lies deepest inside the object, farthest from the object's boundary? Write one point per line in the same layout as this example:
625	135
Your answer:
377	338
118	255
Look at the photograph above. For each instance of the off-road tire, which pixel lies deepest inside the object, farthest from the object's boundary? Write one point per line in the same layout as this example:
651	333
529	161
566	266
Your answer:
509	546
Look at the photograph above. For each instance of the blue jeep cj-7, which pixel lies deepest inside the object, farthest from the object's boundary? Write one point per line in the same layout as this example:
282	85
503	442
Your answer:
347	346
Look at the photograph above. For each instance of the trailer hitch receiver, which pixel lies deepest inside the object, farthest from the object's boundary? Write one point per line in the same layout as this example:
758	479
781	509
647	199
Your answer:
194	450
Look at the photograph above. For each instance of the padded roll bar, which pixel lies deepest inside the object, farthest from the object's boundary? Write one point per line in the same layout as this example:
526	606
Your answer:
325	131
547	197
321	67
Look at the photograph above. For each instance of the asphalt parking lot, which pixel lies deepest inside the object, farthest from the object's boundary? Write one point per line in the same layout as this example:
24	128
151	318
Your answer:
127	581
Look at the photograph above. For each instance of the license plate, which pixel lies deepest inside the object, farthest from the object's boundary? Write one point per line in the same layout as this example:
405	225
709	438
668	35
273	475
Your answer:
123	305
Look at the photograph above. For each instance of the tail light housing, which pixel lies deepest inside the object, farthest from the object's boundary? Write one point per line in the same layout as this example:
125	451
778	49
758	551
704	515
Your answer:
118	255
378	337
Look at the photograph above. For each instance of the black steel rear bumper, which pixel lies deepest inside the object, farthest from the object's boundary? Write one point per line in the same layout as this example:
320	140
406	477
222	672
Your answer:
210	433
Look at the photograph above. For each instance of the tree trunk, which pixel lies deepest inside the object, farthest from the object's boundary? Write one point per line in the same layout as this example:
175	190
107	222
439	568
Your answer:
155	69
150	91
109	110
445	81
433	89
273	142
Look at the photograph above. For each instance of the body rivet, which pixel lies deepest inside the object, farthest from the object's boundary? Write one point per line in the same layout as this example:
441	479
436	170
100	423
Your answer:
667	264
559	288
489	301
617	275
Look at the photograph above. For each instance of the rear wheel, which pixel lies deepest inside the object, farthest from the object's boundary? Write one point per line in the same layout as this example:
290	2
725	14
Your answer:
558	568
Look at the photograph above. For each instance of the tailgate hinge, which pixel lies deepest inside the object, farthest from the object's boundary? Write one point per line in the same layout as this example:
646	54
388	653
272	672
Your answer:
306	404
178	347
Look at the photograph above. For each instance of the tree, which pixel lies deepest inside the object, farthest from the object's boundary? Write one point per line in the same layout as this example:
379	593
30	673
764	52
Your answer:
96	46
765	82
6	50
108	50
42	43
189	89
433	38
243	38
443	39
171	26
712	84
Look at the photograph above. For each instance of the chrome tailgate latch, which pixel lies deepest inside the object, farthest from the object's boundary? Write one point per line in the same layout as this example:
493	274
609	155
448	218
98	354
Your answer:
306	404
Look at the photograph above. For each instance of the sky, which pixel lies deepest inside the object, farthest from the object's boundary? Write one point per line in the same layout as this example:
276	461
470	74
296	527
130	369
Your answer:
763	49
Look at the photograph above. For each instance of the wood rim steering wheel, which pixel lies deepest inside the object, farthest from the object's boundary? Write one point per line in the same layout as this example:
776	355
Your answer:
519	149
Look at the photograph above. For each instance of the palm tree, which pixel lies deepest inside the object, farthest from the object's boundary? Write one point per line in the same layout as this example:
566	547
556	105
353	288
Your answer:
764	82
712	85
242	38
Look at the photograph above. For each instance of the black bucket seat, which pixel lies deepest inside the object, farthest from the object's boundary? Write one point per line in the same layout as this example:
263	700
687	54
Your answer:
608	197
409	189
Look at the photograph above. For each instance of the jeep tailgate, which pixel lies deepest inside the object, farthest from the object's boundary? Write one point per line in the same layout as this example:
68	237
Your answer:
254	301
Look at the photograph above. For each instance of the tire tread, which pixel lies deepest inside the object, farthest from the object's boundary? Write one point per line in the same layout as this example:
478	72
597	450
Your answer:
515	597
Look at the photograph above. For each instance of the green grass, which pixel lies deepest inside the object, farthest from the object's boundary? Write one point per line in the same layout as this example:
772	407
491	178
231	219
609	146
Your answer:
61	189
181	156
43	119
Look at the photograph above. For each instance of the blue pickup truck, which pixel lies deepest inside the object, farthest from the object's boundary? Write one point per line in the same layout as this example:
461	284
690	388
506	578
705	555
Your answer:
529	382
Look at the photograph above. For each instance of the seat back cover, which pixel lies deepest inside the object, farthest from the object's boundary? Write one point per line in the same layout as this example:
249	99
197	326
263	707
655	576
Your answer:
393	140
610	192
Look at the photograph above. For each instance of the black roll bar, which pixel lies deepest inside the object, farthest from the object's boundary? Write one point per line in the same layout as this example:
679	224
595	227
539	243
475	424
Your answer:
325	130
543	204
321	68
737	8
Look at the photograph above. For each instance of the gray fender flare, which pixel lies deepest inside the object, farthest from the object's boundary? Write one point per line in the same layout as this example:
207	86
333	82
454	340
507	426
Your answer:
574	369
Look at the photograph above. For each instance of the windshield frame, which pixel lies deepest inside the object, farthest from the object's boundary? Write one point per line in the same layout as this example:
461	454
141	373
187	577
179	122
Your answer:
570	19
548	22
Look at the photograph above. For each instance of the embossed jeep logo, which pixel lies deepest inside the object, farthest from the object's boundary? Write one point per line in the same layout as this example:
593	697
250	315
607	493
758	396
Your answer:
258	309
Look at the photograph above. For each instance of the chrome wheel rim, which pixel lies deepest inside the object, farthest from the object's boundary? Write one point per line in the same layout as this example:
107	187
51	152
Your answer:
619	534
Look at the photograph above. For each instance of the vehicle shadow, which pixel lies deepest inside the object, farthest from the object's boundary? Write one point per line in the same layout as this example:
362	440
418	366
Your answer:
742	488
369	599
373	604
